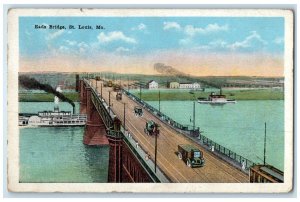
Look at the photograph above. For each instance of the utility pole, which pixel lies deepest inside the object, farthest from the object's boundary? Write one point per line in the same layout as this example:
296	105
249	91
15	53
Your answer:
194	115
128	83
101	91
109	102
124	117
155	156
159	101
140	91
265	140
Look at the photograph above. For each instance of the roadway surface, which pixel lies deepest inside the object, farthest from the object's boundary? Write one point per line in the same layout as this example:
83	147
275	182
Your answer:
215	170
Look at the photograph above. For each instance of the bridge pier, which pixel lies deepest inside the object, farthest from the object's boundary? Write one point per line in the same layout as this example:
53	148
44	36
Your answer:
83	98
115	159
95	131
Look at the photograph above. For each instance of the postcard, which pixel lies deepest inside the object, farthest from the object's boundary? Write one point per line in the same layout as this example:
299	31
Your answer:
150	100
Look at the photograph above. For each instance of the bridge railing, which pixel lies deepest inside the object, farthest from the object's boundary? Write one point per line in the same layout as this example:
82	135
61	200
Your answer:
140	154
215	147
159	114
229	155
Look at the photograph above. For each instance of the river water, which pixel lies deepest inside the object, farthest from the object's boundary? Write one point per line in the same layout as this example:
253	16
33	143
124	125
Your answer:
49	154
239	127
58	154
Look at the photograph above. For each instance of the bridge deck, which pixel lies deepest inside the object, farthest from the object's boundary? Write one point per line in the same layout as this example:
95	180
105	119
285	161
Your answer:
215	170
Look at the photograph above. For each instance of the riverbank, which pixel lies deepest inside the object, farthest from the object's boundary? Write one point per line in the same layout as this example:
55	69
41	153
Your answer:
45	97
250	94
257	94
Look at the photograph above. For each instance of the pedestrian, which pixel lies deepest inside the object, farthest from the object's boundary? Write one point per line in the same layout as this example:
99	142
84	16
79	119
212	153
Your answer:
147	156
137	144
243	164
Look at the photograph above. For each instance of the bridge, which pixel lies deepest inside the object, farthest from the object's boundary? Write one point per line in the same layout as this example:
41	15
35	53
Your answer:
132	152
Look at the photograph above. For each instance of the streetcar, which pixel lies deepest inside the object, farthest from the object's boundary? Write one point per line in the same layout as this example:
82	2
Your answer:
265	174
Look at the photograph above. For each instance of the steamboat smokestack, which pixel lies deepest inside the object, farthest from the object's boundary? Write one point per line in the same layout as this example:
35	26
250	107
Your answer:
77	82
31	83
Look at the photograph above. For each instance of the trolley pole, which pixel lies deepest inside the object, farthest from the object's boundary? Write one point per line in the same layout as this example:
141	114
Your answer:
265	140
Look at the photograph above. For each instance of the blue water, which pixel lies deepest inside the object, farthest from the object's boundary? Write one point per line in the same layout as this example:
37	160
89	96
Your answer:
239	127
49	154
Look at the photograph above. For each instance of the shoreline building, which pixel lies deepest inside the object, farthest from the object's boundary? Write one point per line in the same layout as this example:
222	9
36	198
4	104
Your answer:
152	84
173	85
189	85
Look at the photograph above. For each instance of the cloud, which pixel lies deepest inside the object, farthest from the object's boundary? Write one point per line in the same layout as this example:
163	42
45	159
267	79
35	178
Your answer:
114	36
185	41
171	25
254	37
82	47
190	30
63	48
122	49
54	35
140	27
71	43
213	45
278	40
219	43
251	42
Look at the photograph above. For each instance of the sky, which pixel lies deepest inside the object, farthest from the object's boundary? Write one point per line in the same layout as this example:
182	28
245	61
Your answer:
202	46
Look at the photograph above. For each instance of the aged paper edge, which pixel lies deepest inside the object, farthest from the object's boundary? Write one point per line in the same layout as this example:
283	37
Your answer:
12	106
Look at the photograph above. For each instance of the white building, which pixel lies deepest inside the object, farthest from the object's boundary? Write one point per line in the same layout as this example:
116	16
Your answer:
152	84
173	84
189	85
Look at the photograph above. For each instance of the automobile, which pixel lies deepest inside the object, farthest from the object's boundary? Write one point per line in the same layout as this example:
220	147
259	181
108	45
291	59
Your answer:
119	96
110	83
151	128
138	111
116	87
192	156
